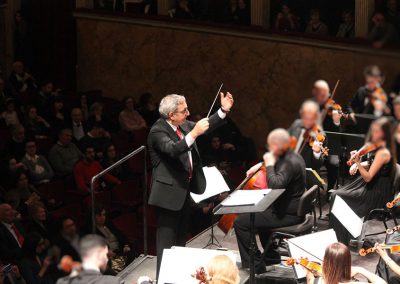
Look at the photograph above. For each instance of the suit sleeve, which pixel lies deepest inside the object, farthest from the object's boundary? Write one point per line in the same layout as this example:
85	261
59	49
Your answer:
280	178
164	144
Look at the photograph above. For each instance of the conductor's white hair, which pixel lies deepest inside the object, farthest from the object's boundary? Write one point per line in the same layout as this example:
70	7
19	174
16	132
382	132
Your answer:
169	104
279	135
321	84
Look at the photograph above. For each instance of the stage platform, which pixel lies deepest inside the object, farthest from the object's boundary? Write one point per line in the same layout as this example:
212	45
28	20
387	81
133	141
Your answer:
146	266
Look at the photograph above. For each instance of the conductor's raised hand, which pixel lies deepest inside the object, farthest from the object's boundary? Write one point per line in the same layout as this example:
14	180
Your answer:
201	126
226	101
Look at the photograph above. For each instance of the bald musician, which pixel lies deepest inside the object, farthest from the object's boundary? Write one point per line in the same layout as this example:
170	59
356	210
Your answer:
285	169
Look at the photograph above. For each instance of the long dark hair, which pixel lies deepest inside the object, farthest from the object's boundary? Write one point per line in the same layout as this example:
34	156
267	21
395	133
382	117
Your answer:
337	264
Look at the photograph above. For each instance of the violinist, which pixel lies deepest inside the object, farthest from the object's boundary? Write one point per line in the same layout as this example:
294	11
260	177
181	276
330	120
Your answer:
373	186
391	263
301	130
284	169
337	268
369	99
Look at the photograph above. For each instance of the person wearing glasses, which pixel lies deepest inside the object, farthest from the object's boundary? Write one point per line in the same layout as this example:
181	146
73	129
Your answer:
177	166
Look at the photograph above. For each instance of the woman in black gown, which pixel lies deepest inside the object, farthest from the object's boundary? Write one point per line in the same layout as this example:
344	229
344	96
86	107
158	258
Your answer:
373	187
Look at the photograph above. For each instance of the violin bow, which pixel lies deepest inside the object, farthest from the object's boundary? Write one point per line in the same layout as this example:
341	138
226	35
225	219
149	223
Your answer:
334	89
299	247
215	100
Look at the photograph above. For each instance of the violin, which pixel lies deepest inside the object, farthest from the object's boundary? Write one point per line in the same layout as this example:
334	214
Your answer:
392	248
364	150
312	266
316	134
330	105
378	94
392	203
201	275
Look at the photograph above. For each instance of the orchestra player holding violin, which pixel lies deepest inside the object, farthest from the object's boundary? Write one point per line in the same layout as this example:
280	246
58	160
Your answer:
373	187
393	279
284	169
303	130
337	269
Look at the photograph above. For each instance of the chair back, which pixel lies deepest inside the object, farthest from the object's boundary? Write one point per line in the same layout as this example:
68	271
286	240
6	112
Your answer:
306	203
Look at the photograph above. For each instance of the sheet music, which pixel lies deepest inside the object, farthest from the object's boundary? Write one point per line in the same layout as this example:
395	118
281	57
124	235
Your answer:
245	197
347	217
215	184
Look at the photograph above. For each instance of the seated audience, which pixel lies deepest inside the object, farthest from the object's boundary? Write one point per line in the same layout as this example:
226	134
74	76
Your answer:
315	25
39	169
11	234
97	117
5	95
34	264
77	124
68	239
337	268
10	169
220	154
242	13
346	28
64	154
382	33
129	119
57	115
10	115
286	21
84	106
40	222
36	125
93	251
97	138
88	167
182	10
21	80
44	96
110	156
392	14
222	270
148	108
16	146
12	277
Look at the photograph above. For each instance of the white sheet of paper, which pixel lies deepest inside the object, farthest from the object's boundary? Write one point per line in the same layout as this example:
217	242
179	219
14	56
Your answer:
245	197
179	263
315	245
215	184
347	217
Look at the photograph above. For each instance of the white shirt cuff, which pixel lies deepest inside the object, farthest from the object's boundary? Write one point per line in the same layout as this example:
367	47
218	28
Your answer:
189	139
221	114
317	155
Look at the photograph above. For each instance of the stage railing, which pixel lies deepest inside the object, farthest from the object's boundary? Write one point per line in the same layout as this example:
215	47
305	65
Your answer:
116	164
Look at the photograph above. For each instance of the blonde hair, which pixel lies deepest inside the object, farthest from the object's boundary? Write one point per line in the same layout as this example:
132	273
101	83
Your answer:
222	270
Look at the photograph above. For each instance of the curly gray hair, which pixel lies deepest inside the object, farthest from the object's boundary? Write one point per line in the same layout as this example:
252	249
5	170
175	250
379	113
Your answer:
170	104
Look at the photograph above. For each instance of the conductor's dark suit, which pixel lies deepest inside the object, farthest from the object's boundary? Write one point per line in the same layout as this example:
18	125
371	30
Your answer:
90	277
170	181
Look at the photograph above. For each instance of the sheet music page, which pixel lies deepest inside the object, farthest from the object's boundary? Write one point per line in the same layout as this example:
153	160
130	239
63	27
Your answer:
179	263
347	217
215	184
245	197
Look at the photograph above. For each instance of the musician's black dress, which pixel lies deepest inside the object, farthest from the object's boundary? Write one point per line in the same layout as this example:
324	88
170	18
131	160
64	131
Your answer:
362	197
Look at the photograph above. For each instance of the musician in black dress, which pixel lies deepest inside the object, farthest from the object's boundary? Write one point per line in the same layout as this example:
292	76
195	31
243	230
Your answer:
373	187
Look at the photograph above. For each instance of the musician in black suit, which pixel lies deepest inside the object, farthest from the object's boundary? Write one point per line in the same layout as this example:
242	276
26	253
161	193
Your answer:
309	117
285	169
11	234
177	167
93	250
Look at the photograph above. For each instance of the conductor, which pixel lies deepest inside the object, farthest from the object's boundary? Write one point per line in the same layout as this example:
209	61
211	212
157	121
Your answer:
177	167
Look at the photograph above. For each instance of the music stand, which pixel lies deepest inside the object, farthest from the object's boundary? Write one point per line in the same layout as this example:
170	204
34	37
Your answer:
342	144
259	206
313	178
364	122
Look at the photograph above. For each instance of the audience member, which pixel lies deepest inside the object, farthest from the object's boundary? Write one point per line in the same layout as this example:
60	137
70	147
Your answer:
10	115
16	146
93	250
315	25
220	154
110	156
11	275
88	167
5	95
40	222
392	14
222	270
57	114
129	119
346	28
34	264
382	33
96	116
242	13
21	80
286	21
9	170
182	10
97	138
44	96
84	106
78	125
64	154
68	239
35	124
11	234
39	169
148	108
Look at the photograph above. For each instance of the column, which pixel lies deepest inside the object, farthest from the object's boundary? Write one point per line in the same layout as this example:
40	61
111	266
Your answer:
362	16
260	13
164	6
